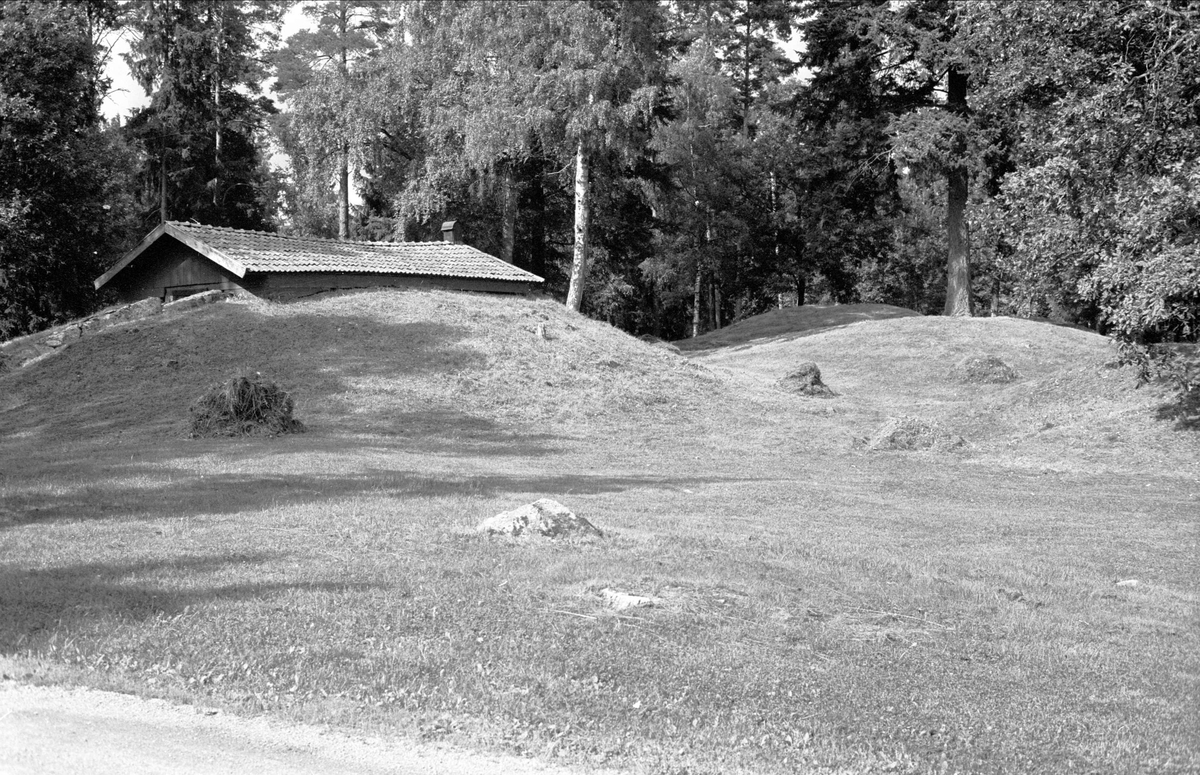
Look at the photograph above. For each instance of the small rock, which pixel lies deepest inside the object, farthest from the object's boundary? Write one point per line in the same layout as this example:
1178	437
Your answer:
544	517
622	600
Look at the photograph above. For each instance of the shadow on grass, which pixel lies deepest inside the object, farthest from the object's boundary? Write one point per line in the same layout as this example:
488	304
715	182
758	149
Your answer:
36	601
141	380
1184	409
791	323
143	491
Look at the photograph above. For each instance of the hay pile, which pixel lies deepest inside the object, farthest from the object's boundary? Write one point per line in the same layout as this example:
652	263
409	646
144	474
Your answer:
244	405
909	434
806	380
984	368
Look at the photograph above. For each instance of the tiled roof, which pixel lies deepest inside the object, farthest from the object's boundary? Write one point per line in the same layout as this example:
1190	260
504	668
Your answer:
260	251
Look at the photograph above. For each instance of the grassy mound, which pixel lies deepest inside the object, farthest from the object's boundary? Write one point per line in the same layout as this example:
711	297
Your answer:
816	608
1074	406
392	362
244	405
792	322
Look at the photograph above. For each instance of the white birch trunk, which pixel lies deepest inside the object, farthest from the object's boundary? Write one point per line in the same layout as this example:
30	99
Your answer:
579	265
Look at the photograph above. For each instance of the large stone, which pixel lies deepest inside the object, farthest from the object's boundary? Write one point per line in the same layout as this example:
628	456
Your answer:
194	301
122	314
63	335
544	517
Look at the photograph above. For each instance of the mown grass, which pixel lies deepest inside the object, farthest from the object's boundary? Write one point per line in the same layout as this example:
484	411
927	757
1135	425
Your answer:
824	610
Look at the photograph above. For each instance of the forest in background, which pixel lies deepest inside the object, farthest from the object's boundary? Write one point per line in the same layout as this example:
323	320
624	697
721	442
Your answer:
668	167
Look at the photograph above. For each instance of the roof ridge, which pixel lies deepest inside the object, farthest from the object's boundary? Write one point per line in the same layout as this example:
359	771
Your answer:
333	240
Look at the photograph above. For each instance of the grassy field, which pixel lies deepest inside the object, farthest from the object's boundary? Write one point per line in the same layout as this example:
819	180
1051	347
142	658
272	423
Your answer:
1024	603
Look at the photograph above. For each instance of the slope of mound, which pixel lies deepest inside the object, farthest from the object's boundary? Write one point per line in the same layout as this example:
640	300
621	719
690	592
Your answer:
791	322
1069	399
377	361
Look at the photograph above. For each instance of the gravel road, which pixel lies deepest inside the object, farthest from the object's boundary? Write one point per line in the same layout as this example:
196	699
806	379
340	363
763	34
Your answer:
46	730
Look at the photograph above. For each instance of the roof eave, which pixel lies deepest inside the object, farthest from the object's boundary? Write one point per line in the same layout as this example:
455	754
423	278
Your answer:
201	247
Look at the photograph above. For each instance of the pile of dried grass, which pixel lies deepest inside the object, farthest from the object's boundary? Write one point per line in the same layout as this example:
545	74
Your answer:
806	380
984	368
907	434
244	405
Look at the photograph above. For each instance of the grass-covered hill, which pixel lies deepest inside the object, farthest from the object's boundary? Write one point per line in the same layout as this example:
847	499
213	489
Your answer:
434	362
1068	401
1022	602
382	362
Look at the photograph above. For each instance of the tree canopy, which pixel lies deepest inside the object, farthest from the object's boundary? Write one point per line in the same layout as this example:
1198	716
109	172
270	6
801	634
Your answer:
667	166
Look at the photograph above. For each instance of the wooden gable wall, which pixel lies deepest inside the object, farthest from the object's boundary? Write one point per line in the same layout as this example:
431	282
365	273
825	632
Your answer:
169	270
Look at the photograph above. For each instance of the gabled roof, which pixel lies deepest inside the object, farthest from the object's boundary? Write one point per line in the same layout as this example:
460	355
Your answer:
240	251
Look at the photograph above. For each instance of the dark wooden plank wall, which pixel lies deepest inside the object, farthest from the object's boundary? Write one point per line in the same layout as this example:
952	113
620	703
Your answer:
170	268
283	286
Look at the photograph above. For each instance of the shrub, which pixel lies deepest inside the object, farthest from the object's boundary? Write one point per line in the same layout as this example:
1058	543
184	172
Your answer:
244	405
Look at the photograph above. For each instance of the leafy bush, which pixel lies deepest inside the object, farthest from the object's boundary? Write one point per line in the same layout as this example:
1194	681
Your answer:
244	405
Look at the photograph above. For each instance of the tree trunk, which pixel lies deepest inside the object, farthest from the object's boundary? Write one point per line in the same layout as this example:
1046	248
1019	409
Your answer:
958	265
579	264
162	189
537	223
508	212
219	45
800	289
343	11
697	303
344	192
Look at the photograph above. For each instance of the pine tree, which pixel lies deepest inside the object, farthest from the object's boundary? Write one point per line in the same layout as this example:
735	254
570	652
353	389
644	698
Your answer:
198	60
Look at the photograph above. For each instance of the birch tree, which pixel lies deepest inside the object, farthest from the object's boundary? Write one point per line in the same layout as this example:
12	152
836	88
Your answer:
503	83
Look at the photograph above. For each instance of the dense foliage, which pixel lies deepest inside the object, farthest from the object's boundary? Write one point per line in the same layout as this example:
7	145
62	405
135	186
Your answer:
64	189
667	166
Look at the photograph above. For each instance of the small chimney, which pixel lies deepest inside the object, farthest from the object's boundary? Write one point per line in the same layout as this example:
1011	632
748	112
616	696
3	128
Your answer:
451	232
